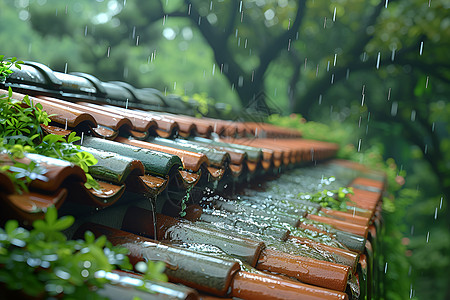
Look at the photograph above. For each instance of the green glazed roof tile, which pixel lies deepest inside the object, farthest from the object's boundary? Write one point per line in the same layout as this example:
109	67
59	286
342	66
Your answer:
155	162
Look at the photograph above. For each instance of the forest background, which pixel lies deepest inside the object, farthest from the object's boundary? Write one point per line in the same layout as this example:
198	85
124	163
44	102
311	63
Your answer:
375	73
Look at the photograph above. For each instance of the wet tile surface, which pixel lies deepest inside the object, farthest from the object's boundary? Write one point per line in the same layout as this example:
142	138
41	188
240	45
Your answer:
241	181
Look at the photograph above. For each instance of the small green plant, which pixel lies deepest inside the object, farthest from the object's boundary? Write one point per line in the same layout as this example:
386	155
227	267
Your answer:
334	199
42	263
6	65
21	132
202	101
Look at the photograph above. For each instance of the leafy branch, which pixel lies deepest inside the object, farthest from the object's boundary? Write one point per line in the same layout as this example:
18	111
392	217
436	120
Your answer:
6	65
42	263
21	132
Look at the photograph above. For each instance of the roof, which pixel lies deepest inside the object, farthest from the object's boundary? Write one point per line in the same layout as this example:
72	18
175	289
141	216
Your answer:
237	176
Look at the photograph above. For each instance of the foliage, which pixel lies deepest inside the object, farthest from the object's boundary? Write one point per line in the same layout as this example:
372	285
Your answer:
6	65
398	108
41	262
21	132
335	199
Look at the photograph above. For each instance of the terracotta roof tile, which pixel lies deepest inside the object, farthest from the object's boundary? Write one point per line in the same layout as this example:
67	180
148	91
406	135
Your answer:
173	158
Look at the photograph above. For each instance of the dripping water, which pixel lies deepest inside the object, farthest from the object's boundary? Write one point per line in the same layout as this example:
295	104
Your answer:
152	200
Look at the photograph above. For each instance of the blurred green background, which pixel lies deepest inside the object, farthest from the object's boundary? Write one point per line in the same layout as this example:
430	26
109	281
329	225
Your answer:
375	73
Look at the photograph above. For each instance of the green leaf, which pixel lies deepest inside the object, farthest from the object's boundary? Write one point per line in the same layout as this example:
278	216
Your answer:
51	216
10	226
100	242
89	237
73	138
64	223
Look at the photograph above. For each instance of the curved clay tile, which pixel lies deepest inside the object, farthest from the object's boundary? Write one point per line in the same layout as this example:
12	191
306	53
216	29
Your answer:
49	129
165	126
267	154
216	173
183	266
105	132
56	171
237	156
155	162
346	216
139	135
189	178
218	158
312	271
342	256
105	196
138	122
253	286
113	167
369	183
204	127
32	206
236	170
146	184
360	230
190	125
108	119
154	183
62	114
191	161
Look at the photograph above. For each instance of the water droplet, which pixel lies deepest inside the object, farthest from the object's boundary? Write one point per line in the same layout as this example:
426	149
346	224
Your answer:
85	273
394	108
435	213
440	204
428	236
65	68
413	115
359	145
421	48
332	78
378	60
386	4
85	30
82	137
389	94
385	267
426	82
108	52
393	54
137	40
334	14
